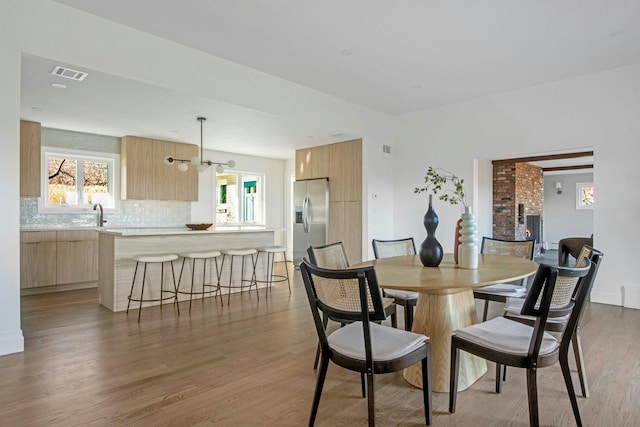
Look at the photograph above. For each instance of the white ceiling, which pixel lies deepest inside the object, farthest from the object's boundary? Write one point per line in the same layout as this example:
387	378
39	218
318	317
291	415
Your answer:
391	56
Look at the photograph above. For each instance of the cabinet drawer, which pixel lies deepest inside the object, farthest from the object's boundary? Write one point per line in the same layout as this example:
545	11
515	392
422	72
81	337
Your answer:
76	235
37	236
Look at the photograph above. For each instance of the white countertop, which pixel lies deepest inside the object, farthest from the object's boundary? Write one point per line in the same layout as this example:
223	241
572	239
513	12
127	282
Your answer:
156	231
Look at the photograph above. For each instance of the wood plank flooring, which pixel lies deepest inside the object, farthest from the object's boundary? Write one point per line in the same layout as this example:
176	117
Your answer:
250	364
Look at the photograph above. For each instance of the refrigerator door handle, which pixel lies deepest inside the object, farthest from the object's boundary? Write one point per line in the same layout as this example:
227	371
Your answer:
305	214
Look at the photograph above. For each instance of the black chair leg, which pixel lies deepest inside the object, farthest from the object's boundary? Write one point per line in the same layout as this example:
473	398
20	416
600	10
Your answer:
371	399
363	384
324	364
498	379
566	373
577	352
453	381
426	388
485	311
408	317
532	392
325	321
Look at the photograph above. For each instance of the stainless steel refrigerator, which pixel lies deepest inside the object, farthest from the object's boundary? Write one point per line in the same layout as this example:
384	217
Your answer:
310	216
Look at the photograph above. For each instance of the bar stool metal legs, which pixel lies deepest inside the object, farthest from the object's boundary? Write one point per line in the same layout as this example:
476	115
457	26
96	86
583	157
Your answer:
150	259
271	278
244	253
193	257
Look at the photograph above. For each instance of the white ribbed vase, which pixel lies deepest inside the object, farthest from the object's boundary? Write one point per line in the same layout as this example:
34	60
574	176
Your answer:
468	249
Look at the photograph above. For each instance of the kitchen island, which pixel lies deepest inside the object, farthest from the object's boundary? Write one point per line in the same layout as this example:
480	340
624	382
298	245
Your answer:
117	246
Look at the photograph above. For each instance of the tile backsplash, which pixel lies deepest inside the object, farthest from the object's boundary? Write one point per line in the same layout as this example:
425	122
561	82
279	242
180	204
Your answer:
133	213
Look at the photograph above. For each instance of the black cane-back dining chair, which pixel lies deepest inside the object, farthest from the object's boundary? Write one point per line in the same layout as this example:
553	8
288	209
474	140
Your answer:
559	324
363	345
391	248
510	343
501	292
333	256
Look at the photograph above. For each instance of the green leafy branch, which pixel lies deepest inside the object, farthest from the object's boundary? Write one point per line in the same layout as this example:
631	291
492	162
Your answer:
436	182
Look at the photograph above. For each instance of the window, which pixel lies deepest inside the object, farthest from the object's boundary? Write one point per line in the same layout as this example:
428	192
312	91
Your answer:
75	180
584	195
239	198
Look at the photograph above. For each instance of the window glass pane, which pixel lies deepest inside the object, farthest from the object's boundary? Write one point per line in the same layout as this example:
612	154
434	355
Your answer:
96	182
252	199
227	197
62	173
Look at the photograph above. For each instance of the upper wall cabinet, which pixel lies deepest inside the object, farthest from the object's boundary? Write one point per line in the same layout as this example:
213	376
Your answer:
30	133
312	162
145	176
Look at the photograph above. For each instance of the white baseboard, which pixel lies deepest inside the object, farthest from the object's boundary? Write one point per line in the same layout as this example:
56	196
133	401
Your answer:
11	342
603	297
631	296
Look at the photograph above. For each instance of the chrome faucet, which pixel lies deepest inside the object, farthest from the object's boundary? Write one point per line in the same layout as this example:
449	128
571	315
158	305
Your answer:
100	219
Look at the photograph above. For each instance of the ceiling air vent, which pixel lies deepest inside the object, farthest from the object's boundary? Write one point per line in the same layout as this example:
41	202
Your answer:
69	73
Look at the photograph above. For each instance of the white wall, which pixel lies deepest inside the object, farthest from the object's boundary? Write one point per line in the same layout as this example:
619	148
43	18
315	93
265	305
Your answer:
560	216
599	110
48	29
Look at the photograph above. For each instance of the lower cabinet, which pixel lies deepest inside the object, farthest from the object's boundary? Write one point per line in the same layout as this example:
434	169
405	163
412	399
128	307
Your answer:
50	258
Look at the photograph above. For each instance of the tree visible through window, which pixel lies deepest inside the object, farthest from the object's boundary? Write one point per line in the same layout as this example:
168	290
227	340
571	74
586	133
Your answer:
585	197
76	180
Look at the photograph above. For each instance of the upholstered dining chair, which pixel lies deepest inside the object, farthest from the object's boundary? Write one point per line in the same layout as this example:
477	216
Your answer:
559	324
333	256
362	345
501	292
391	248
511	343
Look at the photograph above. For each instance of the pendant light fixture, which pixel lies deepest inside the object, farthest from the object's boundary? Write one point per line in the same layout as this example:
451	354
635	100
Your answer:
203	165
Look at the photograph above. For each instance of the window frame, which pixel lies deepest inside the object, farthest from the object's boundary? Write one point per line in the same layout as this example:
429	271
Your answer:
239	195
80	155
579	203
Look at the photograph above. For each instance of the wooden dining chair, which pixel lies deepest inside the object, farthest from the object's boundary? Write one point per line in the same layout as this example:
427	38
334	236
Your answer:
406	299
559	324
510	343
363	345
333	256
501	292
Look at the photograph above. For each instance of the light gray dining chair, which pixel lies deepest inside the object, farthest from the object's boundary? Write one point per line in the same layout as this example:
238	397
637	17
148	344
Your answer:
392	248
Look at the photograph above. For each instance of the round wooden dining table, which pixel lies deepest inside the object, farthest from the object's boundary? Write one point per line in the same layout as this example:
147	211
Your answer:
446	303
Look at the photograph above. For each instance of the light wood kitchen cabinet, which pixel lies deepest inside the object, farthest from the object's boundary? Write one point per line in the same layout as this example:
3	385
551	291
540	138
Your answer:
345	225
37	259
77	256
164	177
346	171
30	136
49	258
186	183
136	168
313	162
145	176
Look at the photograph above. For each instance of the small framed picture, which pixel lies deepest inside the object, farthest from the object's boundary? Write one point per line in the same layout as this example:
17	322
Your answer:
584	195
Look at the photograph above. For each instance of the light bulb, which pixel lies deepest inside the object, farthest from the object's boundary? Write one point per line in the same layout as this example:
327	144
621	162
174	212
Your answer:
182	167
195	160
202	168
231	163
219	169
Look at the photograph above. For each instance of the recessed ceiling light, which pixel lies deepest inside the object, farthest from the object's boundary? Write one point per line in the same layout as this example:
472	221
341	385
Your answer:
59	85
36	108
346	52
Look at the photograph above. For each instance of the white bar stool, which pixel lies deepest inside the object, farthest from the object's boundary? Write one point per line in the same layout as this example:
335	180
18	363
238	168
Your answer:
154	259
193	257
271	252
243	253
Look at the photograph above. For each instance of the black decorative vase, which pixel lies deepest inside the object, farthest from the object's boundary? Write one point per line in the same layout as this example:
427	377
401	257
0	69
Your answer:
430	250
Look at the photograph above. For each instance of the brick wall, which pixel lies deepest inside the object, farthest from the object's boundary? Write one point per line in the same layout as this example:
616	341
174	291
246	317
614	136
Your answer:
515	183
